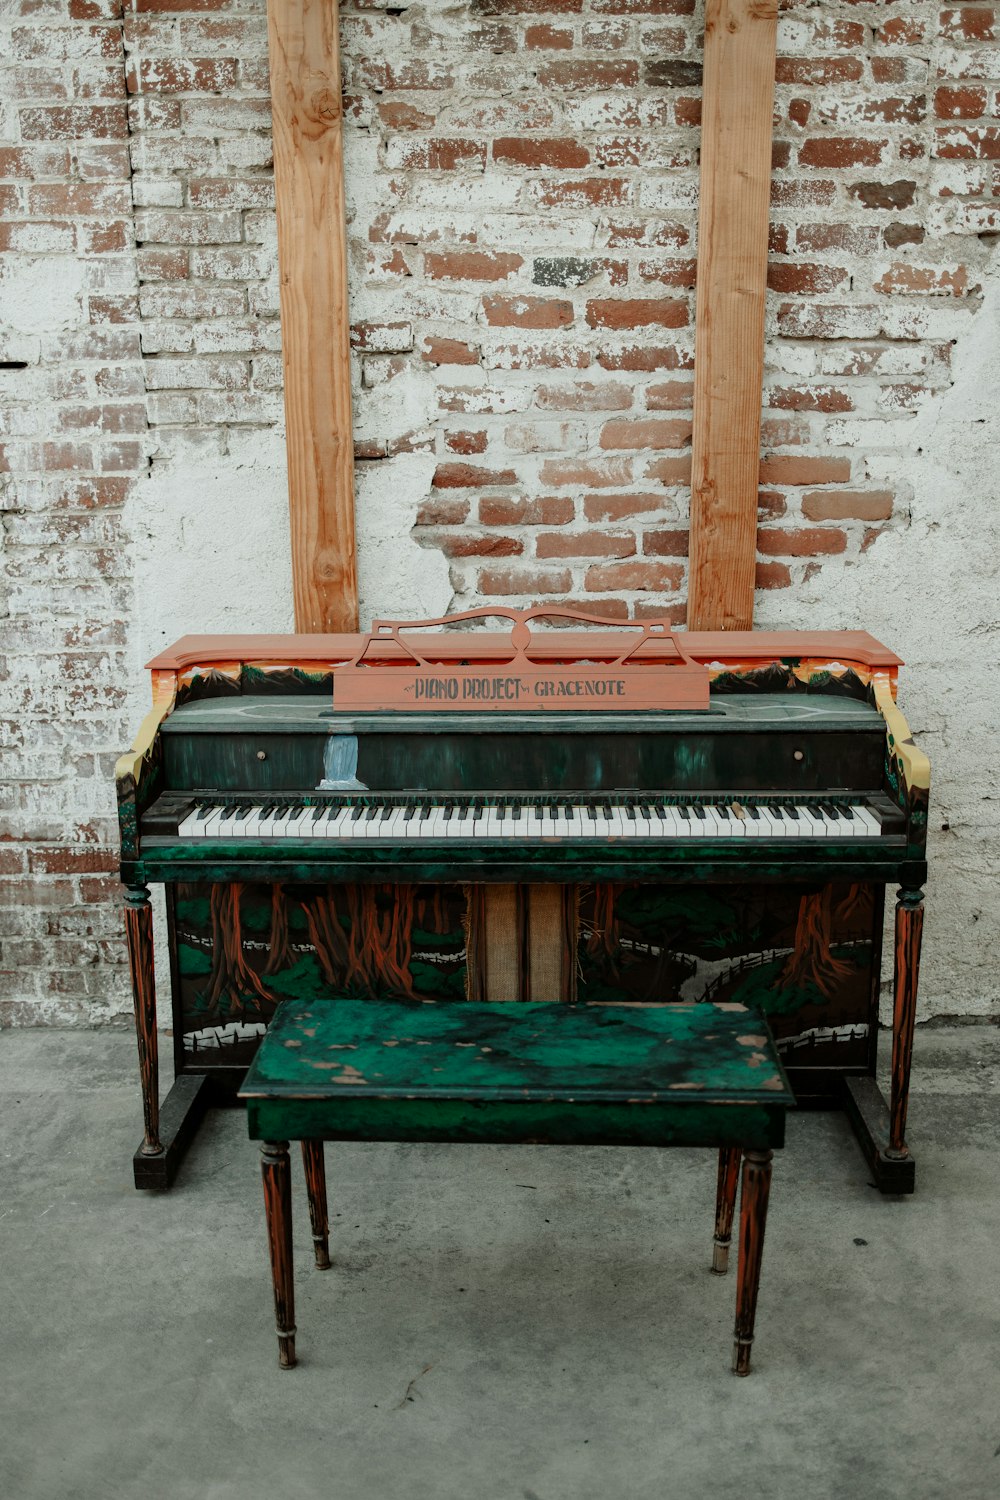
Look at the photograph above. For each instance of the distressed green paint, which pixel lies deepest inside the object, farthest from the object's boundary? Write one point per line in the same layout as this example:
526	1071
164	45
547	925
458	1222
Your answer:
561	860
652	1074
754	1127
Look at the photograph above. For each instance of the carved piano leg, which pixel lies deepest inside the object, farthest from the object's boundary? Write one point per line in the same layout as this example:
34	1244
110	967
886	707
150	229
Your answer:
315	1170
753	1218
277	1177
725	1203
909	930
139	935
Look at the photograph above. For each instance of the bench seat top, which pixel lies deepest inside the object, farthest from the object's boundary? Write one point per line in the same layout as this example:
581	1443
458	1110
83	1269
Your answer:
517	1070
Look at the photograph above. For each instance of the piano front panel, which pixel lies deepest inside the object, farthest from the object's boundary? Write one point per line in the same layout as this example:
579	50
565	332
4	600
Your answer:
797	743
808	956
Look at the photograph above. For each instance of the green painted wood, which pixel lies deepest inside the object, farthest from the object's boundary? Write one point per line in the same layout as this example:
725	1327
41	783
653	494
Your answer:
651	1074
769	741
556	860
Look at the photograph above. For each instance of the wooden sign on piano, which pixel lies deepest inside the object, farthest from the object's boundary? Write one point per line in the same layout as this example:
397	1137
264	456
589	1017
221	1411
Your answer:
647	668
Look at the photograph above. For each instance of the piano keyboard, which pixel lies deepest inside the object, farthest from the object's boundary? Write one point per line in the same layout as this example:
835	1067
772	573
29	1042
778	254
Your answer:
415	820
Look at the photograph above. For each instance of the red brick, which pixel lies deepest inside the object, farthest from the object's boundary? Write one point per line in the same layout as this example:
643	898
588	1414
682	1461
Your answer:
966	103
909	280
527	312
584	396
670	471
650	433
804	277
524	581
400	116
443	512
586	192
547	510
639	576
523	151
847	505
809	542
646	357
547	38
644	7
437	155
670	395
683	273
189	75
596	473
792	469
604	507
826	398
645	312
581	76
470	265
900	31
74	122
465	442
841	151
584	544
957	143
71	861
665	543
468	476
449	352
772	575
817	71
468	544
968	23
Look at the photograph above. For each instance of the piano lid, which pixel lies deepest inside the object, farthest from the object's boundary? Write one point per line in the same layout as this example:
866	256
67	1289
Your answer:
852	647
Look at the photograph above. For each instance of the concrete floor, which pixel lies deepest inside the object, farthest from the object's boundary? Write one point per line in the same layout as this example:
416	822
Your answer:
502	1323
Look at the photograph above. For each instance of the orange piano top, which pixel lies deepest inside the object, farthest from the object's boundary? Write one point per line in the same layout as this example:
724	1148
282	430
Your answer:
731	647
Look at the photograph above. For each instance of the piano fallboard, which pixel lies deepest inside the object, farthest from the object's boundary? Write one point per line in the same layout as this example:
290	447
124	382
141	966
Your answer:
755	742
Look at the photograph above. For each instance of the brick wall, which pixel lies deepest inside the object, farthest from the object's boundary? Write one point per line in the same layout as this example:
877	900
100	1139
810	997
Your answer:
522	184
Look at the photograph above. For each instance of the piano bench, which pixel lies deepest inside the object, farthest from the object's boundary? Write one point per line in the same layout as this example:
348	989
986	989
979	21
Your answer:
527	1071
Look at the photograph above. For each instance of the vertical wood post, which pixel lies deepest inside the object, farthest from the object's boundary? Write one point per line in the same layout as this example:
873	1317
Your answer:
307	111
736	133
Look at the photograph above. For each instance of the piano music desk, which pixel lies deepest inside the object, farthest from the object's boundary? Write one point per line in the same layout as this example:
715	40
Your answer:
539	1072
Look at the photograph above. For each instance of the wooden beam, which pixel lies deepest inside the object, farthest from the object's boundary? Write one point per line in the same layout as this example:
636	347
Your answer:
307	111
738	100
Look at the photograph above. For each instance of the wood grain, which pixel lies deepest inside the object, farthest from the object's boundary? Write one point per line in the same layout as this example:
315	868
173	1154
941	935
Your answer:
307	112
729	323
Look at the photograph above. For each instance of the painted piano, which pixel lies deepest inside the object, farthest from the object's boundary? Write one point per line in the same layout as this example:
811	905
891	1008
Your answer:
527	814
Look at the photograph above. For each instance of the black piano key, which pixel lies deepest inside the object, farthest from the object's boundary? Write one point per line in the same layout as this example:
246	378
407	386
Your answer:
722	811
592	813
426	808
790	812
242	814
371	813
699	812
357	812
684	812
410	812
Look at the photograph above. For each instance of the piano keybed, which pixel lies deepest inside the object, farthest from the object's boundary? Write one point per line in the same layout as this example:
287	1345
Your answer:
419	819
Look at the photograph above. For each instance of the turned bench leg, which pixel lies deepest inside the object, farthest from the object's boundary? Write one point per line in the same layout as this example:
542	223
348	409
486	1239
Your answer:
315	1170
725	1204
276	1172
753	1218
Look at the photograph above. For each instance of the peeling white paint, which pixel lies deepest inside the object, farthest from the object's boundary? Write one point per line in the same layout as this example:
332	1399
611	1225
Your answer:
931	591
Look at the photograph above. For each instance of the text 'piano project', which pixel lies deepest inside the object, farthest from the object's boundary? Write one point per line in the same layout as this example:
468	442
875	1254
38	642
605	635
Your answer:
648	669
721	829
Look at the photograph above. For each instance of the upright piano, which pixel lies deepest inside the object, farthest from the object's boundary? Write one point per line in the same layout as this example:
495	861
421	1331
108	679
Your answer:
399	815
